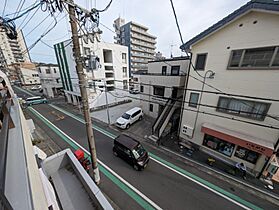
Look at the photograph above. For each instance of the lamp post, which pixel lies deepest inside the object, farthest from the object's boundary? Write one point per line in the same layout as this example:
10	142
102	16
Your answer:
210	76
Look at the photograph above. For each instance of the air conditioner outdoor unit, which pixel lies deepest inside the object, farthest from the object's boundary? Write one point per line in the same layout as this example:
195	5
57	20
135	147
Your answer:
187	130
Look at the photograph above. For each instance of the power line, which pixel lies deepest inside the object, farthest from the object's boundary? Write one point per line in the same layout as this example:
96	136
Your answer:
28	20
106	8
46	44
208	113
163	100
19	7
37	25
209	92
5	4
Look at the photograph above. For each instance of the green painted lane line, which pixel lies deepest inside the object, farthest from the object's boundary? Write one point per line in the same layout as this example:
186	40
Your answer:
107	133
53	129
206	183
174	167
25	91
103	168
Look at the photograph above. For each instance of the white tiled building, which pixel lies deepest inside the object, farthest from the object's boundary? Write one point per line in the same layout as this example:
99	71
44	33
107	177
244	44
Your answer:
50	79
110	69
238	55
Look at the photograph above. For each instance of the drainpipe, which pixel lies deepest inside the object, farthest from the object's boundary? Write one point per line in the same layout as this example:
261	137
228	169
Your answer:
184	93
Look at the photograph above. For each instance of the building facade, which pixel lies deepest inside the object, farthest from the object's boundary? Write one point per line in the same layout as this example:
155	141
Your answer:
25	73
13	50
140	43
239	56
161	90
106	66
50	79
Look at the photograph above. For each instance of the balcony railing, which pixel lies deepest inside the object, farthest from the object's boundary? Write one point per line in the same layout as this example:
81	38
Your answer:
159	74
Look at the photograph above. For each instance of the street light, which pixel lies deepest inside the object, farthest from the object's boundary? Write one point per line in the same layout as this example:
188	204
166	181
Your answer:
210	76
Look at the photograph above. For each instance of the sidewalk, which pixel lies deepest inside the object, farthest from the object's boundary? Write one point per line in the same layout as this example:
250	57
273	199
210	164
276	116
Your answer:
170	145
201	157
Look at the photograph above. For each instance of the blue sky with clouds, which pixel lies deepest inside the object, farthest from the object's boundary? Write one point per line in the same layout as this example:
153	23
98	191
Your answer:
194	17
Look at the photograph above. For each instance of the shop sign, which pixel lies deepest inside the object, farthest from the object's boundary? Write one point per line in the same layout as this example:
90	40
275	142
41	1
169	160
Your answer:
255	147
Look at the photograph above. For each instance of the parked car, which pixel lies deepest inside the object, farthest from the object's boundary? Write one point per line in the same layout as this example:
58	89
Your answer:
35	100
36	87
129	117
134	91
131	151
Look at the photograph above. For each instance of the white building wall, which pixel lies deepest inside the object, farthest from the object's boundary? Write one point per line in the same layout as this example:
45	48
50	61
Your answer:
114	78
50	81
258	83
154	77
30	76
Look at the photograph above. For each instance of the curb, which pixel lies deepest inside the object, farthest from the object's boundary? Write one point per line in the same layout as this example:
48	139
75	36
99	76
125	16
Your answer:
217	172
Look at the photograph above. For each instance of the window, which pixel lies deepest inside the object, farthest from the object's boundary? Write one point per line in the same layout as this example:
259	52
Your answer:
243	108
39	69
124	58
265	57
218	145
164	70
107	56
124	71
57	80
86	51
141	88
200	61
175	70
151	107
47	71
54	70
158	91
194	98
246	154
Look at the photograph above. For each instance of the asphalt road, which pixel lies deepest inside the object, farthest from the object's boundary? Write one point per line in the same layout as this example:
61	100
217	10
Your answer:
162	185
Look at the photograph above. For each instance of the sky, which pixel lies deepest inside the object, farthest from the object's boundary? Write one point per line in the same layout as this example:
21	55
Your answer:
193	17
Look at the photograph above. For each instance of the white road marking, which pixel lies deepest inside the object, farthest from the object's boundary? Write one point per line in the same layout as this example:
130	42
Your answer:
170	168
105	166
203	185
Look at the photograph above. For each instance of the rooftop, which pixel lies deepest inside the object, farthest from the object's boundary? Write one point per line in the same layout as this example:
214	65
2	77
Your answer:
258	5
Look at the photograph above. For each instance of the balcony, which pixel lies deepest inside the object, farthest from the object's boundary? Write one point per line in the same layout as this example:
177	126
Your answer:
143	44
143	32
142	37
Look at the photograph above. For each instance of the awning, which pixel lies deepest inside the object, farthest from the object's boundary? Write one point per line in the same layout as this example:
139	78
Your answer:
244	140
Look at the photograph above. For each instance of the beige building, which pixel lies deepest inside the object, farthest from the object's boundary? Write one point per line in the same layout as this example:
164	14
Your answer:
238	55
26	73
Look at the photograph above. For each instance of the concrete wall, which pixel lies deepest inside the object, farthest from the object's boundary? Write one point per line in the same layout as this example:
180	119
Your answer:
154	77
258	83
114	77
30	76
50	81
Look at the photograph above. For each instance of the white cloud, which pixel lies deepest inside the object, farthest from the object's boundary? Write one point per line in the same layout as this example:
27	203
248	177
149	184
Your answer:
193	17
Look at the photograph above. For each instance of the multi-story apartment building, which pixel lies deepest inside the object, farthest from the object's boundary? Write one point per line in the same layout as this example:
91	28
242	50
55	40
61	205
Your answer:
231	108
140	43
50	79
161	90
109	68
14	50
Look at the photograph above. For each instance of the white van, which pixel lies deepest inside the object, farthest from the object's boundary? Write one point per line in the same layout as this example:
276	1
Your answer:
129	117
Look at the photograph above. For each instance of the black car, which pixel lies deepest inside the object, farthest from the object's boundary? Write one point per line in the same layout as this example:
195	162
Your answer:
131	151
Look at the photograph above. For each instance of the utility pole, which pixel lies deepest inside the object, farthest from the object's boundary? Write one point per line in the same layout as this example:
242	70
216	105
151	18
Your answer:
83	91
